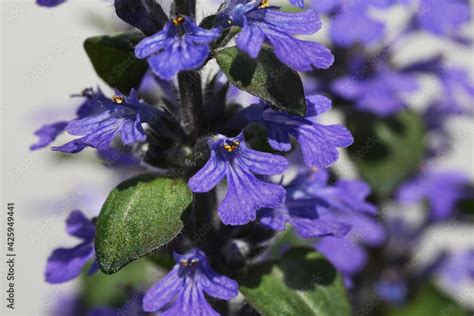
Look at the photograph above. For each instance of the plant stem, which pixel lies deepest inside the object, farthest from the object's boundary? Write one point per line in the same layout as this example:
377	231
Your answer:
190	89
185	7
192	108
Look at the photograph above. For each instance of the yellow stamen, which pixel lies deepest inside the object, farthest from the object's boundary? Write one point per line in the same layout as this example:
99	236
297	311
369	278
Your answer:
178	20
232	146
186	263
264	4
118	99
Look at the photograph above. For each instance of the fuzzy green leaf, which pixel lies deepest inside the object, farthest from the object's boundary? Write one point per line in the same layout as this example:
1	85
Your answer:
139	216
302	283
265	77
114	60
386	150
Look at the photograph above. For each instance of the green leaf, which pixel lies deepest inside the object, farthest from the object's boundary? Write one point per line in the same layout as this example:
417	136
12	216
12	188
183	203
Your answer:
302	283
466	206
386	150
114	60
139	216
265	77
100	290
429	301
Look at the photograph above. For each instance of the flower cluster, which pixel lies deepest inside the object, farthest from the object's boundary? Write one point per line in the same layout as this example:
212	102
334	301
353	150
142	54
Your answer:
260	168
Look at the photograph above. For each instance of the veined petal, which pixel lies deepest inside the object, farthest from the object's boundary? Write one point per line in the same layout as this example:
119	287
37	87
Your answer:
163	292
66	264
305	23
154	44
309	228
260	162
90	124
319	143
132	132
250	40
298	54
209	176
216	285
317	105
245	195
191	302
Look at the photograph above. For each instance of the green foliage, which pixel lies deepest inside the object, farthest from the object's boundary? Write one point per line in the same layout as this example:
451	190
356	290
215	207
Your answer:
302	283
429	301
466	206
386	150
139	216
114	60
100	290
265	77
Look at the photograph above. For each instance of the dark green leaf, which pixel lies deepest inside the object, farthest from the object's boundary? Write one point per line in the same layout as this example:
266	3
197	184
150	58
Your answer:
429	301
466	206
208	22
386	150
302	283
114	60
265	77
139	215
147	15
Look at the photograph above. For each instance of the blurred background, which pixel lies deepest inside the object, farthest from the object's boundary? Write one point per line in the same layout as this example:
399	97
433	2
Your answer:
43	63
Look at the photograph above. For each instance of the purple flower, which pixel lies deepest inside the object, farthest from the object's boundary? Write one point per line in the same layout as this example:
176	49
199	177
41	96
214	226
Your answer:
49	132
180	45
393	291
65	264
297	3
457	89
353	25
306	212
338	213
262	23
380	93
348	253
318	142
119	116
442	190
456	268
316	209
326	6
231	158
181	291
351	22
49	3
443	17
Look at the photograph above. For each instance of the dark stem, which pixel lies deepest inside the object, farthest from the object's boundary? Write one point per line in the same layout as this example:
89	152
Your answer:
192	108
185	7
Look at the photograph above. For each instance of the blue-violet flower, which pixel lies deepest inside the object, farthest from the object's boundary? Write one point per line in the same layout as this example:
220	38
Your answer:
181	291
231	158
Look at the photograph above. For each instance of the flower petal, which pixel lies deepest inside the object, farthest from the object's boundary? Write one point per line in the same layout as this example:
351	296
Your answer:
66	264
208	176
163	292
